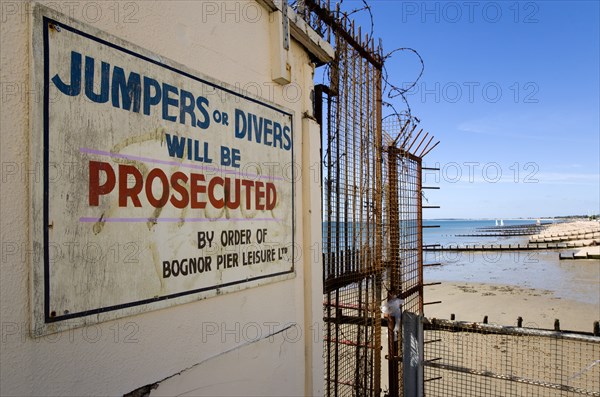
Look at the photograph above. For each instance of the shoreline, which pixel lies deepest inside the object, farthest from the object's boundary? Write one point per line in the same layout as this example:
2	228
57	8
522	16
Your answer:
537	286
503	304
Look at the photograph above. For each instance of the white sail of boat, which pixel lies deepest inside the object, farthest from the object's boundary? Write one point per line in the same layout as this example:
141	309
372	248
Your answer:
496	222
501	222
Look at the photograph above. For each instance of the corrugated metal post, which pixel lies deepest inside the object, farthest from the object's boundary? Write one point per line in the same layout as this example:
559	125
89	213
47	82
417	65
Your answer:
412	357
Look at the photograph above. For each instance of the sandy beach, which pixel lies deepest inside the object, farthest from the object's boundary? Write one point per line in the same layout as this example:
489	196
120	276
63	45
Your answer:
581	232
504	303
539	290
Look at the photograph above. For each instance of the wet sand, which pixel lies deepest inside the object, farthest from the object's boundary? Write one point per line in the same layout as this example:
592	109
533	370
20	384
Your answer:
504	303
538	286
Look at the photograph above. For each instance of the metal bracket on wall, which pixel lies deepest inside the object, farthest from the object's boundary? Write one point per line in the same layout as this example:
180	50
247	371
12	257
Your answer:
286	25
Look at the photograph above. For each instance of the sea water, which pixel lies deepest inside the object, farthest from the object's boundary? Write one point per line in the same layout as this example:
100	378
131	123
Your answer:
539	269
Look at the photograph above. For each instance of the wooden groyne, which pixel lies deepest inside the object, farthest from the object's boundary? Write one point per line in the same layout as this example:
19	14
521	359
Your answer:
520	226
515	227
566	237
507	231
575	255
508	234
505	247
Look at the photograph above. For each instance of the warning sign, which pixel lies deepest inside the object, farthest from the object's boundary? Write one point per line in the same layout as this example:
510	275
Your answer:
160	185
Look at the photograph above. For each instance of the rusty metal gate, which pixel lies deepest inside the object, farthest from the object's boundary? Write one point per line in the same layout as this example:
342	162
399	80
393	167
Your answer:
372	235
373	257
372	203
403	149
353	225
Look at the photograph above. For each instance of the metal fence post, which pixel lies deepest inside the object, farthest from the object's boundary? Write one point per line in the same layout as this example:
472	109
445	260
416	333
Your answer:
412	354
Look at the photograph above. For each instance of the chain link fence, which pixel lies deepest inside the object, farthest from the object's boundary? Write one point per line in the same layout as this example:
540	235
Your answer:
480	360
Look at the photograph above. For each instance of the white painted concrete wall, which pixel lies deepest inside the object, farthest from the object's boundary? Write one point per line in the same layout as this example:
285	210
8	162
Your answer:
259	341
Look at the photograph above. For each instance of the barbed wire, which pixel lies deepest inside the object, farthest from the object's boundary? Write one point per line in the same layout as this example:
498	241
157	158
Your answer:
390	91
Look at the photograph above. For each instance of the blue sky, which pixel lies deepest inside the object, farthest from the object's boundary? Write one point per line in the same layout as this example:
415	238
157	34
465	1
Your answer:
512	89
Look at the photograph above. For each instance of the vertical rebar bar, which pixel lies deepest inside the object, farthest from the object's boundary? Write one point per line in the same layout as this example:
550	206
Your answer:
420	231
393	229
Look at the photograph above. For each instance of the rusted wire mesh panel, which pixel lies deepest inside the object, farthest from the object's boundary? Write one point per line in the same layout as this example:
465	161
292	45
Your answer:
334	25
352	205
351	344
352	231
372	212
463	360
402	215
403	277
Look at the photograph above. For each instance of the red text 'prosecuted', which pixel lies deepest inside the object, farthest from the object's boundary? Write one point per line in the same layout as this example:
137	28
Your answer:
179	189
